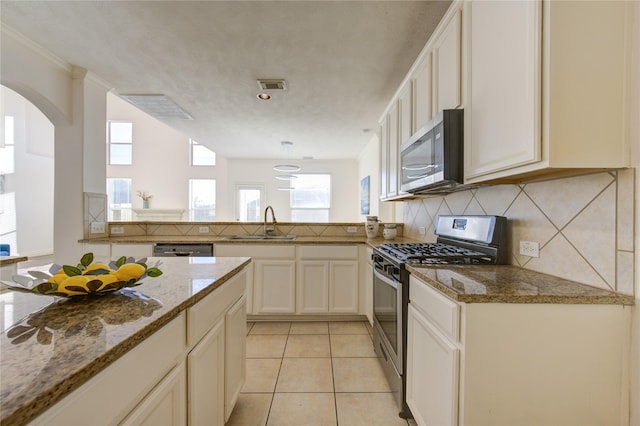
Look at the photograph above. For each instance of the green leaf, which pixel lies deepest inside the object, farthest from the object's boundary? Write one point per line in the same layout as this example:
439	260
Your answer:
121	261
71	270
154	272
86	259
142	263
99	271
94	285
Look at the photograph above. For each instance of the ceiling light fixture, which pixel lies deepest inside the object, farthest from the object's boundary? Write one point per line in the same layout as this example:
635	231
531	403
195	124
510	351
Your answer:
263	96
286	167
286	177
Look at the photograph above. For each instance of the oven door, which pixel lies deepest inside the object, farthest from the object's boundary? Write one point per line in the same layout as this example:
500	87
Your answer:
387	313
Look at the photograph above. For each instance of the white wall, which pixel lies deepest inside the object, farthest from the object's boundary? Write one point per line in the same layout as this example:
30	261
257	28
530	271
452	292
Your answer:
27	203
161	164
345	191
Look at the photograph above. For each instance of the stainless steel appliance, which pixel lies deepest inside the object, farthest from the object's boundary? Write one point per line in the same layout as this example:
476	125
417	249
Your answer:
182	249
431	161
461	240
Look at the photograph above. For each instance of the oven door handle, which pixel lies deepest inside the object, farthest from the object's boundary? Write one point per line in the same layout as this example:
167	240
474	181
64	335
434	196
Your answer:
385	278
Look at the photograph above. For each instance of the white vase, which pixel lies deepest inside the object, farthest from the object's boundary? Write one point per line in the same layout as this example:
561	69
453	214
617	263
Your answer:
372	226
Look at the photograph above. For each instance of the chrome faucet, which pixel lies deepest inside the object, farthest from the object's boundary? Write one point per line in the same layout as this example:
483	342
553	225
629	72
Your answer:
268	230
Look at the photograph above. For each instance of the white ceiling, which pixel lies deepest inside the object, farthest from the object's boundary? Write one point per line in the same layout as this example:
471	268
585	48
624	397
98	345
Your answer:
342	61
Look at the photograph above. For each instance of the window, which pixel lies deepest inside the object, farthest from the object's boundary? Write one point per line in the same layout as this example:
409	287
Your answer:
311	198
250	200
202	200
120	142
7	147
119	199
201	155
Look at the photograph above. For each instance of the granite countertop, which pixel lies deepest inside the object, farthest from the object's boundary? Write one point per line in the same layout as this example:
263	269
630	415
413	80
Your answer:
511	284
10	260
53	345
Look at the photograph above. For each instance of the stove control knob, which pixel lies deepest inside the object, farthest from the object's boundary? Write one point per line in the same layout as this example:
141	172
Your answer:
391	269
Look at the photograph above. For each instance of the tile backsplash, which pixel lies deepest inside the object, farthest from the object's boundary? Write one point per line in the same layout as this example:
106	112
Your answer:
584	224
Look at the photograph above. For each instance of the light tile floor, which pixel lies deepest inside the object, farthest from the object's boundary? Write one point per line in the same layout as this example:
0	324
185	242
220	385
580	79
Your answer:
313	373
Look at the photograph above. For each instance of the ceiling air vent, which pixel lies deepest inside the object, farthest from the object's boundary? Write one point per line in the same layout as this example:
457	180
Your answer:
272	84
159	106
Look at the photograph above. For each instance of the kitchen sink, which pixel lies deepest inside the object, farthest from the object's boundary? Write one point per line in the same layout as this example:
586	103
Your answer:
261	237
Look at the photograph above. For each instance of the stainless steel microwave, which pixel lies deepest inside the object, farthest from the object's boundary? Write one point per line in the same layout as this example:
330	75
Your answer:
431	161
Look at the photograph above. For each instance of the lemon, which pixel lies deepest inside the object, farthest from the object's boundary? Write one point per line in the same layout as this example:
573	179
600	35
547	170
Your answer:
129	271
75	281
105	279
96	266
58	278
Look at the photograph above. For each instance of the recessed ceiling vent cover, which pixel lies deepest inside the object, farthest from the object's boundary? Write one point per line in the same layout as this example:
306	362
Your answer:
158	106
272	84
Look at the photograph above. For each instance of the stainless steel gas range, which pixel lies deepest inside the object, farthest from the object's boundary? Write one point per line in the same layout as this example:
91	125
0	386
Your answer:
469	240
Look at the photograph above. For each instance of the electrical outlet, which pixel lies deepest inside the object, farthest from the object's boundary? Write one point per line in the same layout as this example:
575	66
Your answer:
422	230
530	248
117	230
97	227
203	229
352	229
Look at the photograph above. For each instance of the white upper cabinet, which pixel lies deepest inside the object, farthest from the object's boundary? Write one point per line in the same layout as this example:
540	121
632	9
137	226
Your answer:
547	88
505	85
422	99
447	57
433	83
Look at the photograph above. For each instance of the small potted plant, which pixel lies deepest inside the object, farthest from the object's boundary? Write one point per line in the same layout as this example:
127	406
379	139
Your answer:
145	199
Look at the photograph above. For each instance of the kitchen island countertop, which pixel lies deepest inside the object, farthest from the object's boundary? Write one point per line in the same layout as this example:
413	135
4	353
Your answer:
511	284
62	343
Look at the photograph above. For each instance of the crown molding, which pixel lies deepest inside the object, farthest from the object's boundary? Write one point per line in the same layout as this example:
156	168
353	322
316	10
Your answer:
7	31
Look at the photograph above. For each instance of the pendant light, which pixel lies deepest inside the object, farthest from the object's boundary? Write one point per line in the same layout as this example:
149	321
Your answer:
288	167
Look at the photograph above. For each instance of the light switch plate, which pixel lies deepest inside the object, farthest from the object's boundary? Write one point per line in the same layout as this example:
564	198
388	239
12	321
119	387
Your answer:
117	230
352	229
203	229
98	227
422	230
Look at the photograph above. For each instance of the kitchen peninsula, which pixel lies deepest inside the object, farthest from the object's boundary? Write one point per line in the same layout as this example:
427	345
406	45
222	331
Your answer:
120	357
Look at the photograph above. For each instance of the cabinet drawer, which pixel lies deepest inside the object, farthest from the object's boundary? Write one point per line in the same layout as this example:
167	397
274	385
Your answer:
258	251
204	314
329	252
444	312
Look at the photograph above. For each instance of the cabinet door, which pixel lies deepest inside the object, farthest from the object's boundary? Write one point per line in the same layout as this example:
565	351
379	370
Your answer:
205	366
432	387
275	286
422	97
235	324
384	158
165	404
313	287
343	286
392	161
504	80
448	62
405	117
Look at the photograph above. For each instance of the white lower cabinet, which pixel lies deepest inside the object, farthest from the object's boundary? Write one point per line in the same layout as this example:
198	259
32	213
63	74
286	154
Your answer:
432	401
188	372
235	351
206	378
165	405
113	397
270	277
275	287
327	279
515	364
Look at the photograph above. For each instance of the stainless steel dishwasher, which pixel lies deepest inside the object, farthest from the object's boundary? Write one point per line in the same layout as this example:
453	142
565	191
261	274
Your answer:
183	249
